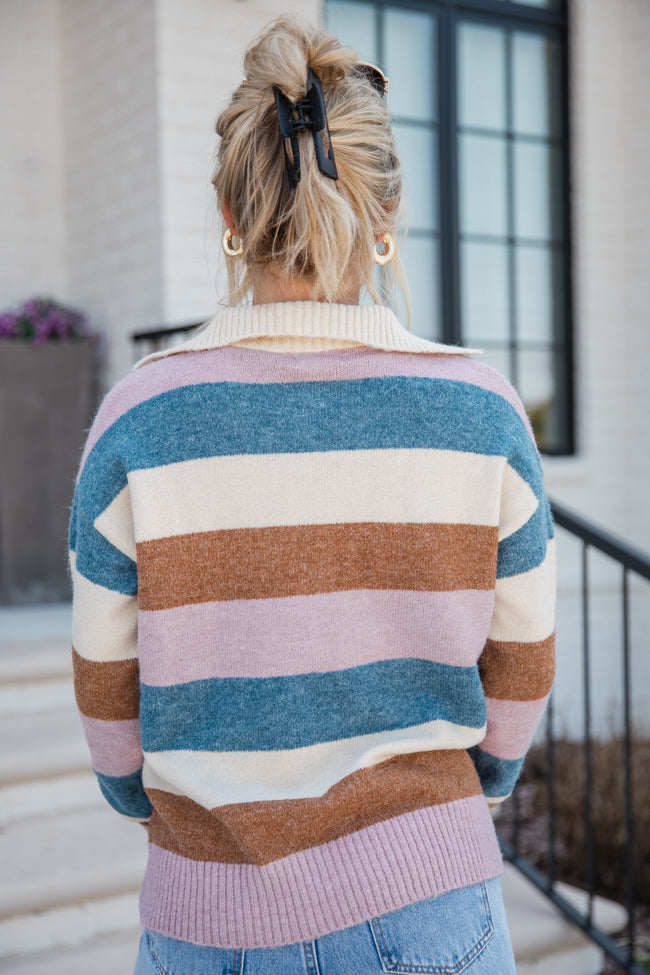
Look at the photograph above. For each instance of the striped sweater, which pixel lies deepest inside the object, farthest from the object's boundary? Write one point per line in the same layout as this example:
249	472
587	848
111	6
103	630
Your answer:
313	618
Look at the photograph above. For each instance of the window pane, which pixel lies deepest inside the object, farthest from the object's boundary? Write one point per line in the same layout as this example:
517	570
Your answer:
422	263
539	295
499	359
537	385
540	3
418	152
409	43
483	197
536	73
355	25
482	76
484	292
537	191
552	4
535	381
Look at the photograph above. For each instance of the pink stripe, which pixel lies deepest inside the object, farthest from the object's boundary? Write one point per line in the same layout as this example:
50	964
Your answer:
511	726
234	364
326	888
115	746
302	634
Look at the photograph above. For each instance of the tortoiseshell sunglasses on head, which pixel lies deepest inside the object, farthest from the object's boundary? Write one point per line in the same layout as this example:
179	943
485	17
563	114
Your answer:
374	75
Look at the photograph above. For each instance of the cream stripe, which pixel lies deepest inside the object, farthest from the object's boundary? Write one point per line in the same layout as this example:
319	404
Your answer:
104	623
496	800
264	490
518	503
218	778
116	524
524	604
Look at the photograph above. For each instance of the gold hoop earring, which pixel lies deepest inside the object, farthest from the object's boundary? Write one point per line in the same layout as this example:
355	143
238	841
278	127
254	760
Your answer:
388	253
226	243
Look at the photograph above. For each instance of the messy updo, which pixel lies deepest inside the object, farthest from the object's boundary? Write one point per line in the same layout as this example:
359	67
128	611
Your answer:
321	230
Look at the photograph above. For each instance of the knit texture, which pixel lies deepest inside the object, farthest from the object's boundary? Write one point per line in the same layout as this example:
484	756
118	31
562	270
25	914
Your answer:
313	619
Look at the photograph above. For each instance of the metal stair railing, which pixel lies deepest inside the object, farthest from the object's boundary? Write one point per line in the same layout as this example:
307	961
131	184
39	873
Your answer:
153	339
630	561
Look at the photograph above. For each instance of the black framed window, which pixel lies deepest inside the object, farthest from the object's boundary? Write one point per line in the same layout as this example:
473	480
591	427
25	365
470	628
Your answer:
478	96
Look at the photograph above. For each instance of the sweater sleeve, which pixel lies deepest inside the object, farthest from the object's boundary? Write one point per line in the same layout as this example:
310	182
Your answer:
518	660
104	627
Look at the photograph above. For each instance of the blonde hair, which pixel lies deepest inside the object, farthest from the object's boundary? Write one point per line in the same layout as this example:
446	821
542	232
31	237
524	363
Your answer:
322	230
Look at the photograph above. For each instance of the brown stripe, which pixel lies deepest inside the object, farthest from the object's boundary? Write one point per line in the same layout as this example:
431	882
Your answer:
518	671
259	563
260	832
109	691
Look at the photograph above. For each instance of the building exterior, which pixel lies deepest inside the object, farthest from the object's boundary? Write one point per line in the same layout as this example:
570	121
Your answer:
107	113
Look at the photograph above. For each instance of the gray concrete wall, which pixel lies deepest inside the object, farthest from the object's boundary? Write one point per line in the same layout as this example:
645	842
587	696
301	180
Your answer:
45	403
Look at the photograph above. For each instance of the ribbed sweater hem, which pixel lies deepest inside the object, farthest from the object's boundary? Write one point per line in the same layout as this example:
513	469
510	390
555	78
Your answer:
327	888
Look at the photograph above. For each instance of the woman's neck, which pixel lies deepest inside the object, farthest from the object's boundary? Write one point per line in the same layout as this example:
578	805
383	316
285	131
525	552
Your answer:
271	287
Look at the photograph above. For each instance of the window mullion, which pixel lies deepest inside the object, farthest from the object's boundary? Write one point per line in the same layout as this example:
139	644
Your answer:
448	178
510	202
566	378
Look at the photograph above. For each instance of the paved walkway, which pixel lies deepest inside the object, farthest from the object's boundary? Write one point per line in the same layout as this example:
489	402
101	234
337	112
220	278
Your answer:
71	867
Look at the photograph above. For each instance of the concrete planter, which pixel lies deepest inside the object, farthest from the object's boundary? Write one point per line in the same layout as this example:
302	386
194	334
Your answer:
46	398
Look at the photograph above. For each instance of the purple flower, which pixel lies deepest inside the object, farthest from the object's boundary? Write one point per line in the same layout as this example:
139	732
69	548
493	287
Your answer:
8	325
40	320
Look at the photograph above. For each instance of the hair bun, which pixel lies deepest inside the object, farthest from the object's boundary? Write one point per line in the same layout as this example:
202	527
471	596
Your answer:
331	63
282	56
320	230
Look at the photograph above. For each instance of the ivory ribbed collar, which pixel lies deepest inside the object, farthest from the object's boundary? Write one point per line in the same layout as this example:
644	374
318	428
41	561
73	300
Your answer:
372	325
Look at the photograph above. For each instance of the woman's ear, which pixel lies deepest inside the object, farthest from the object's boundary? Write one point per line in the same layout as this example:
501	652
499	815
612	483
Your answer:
227	216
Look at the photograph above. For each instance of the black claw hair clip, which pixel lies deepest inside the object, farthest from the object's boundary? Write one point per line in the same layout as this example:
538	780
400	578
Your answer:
306	113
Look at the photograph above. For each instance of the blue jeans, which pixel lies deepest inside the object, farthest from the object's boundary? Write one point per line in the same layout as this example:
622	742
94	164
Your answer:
461	931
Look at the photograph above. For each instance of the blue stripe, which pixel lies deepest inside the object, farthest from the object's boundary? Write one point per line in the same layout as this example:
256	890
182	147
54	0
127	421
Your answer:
98	560
221	419
103	476
269	713
498	775
525	549
126	794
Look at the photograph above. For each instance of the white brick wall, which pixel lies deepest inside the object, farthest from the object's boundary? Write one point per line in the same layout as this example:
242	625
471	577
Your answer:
636	254
32	251
200	50
609	479
143	84
113	166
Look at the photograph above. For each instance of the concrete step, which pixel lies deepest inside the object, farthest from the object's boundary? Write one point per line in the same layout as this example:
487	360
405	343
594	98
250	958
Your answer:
30	697
544	942
587	960
115	953
97	936
49	621
43	744
35	643
49	797
44	659
110	953
69	858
